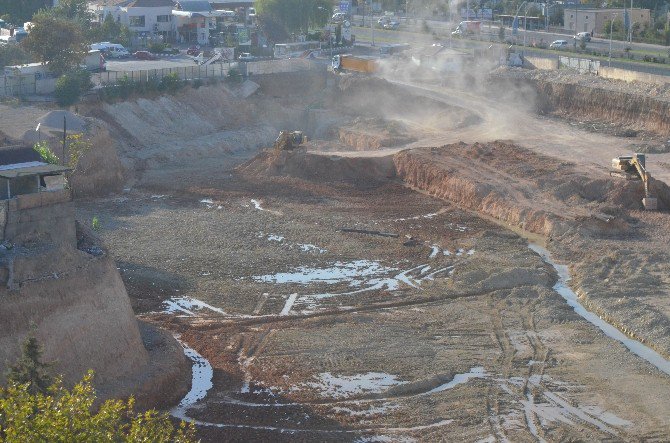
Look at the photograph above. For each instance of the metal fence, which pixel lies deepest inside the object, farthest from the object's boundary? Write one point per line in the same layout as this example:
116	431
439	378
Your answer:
583	65
17	85
184	73
195	72
32	84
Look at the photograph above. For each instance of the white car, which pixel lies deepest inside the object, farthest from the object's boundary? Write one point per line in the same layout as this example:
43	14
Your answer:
583	36
558	44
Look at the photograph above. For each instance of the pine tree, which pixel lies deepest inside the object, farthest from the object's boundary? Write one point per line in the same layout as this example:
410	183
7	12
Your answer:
30	369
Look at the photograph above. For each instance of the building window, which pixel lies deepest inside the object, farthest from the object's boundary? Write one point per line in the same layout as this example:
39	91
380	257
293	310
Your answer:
136	21
164	18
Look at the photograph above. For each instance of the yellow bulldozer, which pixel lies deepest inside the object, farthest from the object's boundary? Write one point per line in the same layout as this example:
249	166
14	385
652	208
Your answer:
632	167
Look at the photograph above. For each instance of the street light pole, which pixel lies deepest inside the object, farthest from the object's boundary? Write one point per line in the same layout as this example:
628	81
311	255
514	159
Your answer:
516	19
609	61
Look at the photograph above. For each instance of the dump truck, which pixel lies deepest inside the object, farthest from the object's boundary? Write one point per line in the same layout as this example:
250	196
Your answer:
633	167
355	63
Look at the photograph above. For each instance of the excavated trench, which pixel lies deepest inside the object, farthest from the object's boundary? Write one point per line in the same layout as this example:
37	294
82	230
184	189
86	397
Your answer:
626	111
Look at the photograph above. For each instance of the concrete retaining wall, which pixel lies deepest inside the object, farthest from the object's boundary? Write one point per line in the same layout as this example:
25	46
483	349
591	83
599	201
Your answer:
629	76
47	215
546	64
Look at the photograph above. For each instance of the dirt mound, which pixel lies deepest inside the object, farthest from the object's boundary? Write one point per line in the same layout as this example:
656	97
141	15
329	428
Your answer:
540	194
314	167
378	98
99	170
374	133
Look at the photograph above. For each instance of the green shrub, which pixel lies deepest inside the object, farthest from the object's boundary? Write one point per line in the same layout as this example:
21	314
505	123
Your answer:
67	91
212	81
46	153
70	86
197	83
156	47
234	75
171	83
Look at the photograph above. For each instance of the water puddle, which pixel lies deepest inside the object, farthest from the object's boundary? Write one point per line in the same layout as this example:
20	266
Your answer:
188	306
343	386
201	382
562	288
459	379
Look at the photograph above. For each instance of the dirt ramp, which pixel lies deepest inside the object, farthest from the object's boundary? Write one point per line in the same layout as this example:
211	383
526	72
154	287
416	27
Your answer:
319	167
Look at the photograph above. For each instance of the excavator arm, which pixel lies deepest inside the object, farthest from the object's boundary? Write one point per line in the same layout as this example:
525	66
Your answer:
633	167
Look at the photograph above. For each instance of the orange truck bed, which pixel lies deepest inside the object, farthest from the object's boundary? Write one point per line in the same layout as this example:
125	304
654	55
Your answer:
358	64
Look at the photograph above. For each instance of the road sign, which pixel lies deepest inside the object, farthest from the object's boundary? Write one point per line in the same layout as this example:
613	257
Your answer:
345	6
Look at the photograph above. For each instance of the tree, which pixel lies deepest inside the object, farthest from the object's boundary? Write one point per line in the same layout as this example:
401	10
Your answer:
21	11
13	55
74	10
71	85
29	370
57	41
295	15
62	415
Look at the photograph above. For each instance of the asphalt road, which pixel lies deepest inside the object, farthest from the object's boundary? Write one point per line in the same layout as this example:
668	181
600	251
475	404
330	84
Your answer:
442	27
384	36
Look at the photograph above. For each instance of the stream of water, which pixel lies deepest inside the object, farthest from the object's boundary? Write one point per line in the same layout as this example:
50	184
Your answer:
562	288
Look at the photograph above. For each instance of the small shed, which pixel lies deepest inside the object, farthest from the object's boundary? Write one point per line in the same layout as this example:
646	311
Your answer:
22	171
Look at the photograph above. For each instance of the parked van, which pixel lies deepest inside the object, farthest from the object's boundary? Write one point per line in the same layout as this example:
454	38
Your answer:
111	50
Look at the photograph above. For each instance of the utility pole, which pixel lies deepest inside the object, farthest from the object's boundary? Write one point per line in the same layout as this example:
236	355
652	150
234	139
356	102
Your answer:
609	61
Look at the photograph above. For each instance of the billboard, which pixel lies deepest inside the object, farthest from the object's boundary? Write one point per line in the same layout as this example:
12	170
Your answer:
480	14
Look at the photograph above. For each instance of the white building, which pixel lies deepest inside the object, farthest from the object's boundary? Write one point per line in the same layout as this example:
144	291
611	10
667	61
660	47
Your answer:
147	19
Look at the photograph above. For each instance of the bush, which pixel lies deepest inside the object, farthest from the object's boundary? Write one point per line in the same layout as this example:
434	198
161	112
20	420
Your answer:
46	153
234	75
171	83
156	47
197	83
70	86
69	415
212	81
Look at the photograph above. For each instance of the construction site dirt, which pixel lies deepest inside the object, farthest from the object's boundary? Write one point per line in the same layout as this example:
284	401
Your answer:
433	264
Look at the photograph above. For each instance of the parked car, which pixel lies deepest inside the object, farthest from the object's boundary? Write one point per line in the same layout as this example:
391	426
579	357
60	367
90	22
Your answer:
193	50
583	36
338	17
393	24
383	20
246	57
111	50
144	55
558	44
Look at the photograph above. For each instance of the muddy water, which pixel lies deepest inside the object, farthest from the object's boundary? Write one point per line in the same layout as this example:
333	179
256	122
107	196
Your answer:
568	294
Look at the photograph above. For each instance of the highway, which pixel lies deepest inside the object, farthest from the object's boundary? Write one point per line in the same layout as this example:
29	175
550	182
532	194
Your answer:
445	28
489	36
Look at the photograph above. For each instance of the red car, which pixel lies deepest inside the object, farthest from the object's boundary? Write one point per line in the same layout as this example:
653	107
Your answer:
193	50
144	55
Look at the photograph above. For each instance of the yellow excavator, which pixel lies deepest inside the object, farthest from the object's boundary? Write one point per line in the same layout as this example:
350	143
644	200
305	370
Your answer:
632	167
288	140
